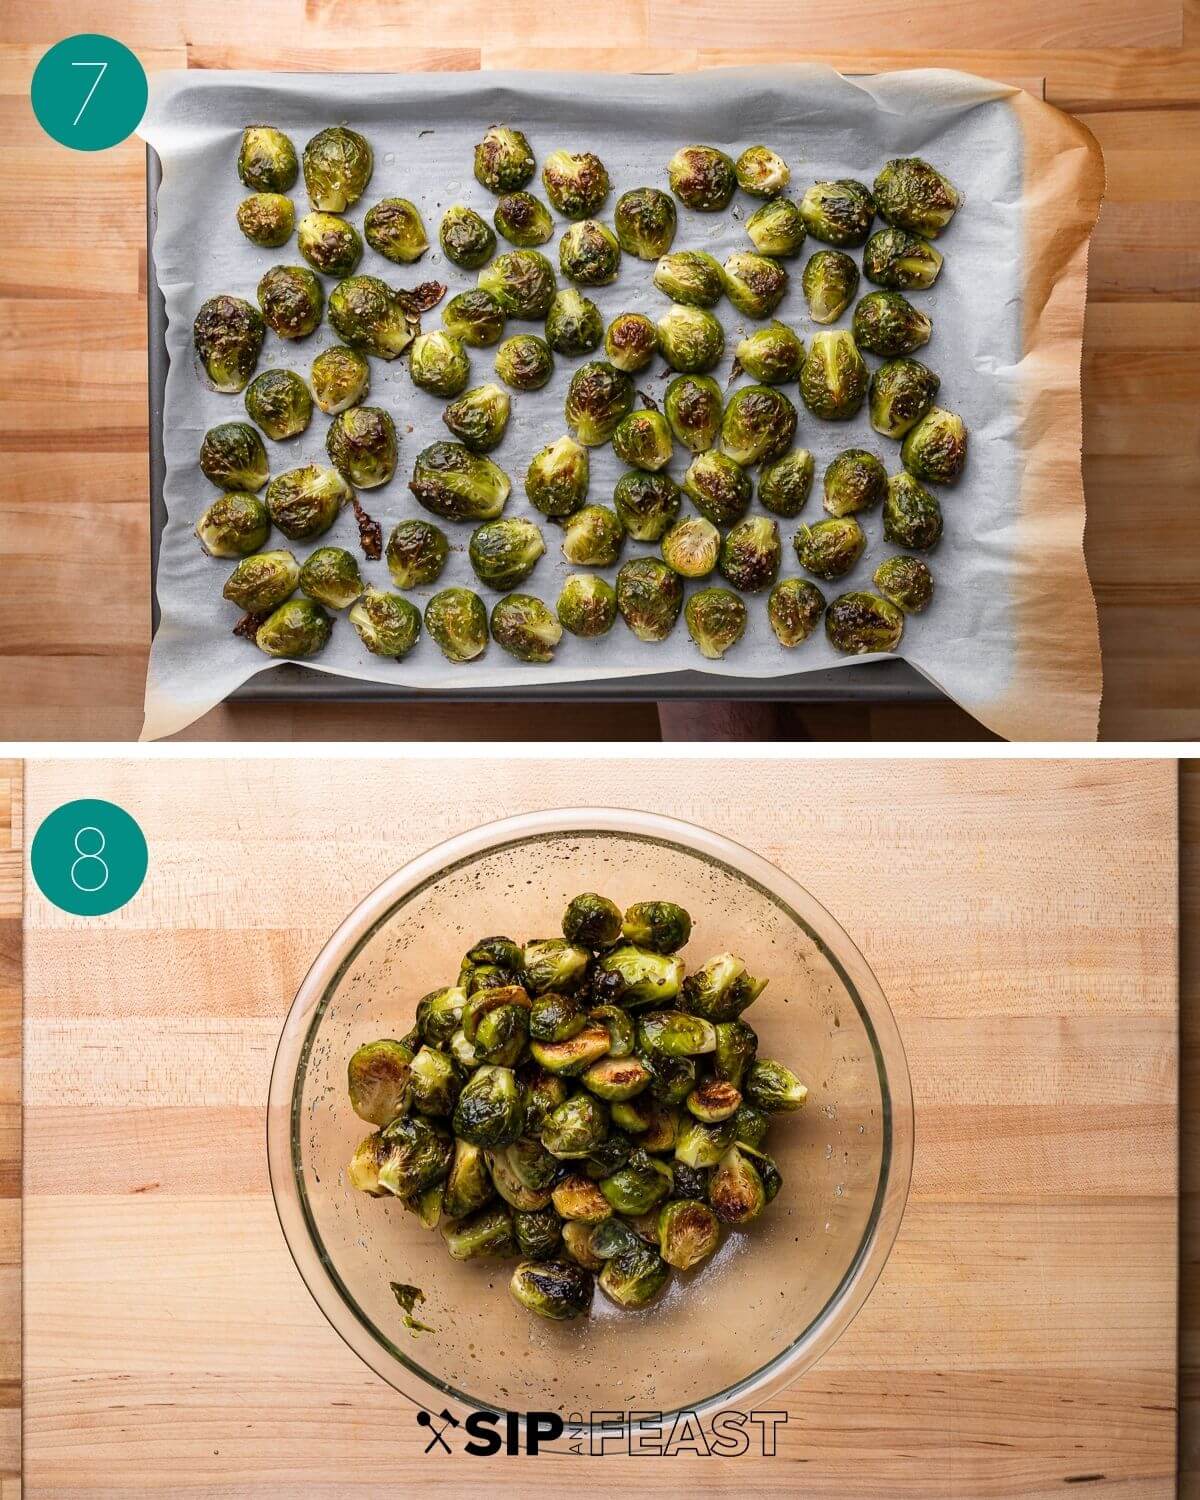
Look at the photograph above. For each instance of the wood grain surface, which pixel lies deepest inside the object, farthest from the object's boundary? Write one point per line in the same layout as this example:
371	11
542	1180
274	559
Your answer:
73	516
1021	917
10	1128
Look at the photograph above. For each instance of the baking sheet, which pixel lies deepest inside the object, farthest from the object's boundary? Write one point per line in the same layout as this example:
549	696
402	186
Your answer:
423	128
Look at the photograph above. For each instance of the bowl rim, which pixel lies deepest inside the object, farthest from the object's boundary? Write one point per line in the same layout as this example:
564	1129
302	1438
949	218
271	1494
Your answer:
288	1069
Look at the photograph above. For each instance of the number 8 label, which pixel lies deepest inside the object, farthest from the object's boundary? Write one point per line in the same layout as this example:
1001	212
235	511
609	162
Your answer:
89	857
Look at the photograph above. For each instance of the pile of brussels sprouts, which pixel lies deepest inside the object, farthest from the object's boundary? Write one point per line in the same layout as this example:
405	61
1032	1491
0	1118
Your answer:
728	442
580	1102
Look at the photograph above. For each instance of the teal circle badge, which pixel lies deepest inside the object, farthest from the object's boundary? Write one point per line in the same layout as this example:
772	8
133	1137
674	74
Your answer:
89	857
89	92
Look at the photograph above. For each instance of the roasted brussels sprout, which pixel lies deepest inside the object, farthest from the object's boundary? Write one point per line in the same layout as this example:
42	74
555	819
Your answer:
785	483
573	324
702	178
279	401
772	1087
330	576
263	581
291	301
415	1154
228	335
750	554
337	167
674	1079
459	485
524	362
830	281
714	1100
266	219
936	448
676	1033
589	253
690	339
587	605
305	502
474	318
393	229
759	424
902	391
416	553
635	1277
900	261
554	1289
539	1236
363	1171
855	481
522	281
612	1236
573	1054
525	628
715	620
592	921
659	926
912	517
687	1233
575	1128
232	456
510	1183
387	624
616	1079
692	547
762	172
839	213
693	407
631	342
297	629
912	195
640	976
737	1047
646	504
523	220
643	440
504	553
340	379
720	989
328	243
887	324
645	221
465	238
592	537
736	1190
750	1126
649	597
361	444
468	1185
488	1231
639	1186
755	284
267	160
905	582
367	315
489	1111
439	1014
597	398
457	620
479	417
234	525
833	380
556	1018
719	487
576	185
542	1092
530	1163
556	481
772	355
700	1146
439	364
692	277
859	623
830	548
777	228
503	159
577	1198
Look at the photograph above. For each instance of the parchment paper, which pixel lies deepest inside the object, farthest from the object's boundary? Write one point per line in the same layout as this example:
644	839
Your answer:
1011	634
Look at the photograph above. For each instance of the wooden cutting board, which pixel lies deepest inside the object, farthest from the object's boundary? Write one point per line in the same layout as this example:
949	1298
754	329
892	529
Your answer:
1021	917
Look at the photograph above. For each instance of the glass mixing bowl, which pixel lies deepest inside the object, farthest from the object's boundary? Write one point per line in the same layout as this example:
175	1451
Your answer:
769	1302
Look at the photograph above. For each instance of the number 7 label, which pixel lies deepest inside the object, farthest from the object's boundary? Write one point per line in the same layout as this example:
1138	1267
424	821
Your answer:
105	116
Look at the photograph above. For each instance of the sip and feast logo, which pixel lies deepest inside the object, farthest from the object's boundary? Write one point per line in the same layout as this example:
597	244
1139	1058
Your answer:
637	1434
